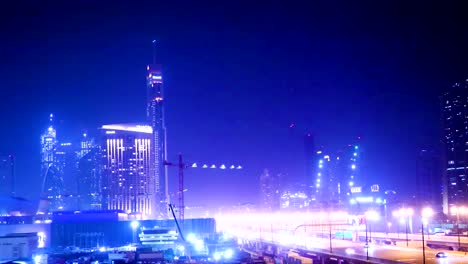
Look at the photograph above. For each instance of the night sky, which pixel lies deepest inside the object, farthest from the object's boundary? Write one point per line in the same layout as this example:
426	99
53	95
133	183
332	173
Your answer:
237	75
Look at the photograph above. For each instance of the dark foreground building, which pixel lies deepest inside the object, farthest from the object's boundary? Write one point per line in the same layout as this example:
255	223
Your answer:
103	228
454	105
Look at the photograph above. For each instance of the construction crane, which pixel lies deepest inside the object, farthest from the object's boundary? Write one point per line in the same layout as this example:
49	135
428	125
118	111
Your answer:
181	166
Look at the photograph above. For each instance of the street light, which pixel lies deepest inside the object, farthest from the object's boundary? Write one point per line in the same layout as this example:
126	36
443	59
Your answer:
389	225
134	224
457	211
371	215
426	213
405	214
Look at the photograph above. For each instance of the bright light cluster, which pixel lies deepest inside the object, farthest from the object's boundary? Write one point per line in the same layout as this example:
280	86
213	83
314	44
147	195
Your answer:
276	226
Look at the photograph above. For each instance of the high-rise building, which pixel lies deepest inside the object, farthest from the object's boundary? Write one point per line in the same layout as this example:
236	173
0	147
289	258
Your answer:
269	191
429	178
335	175
347	169
7	175
51	172
89	174
155	117
127	180
454	105
326	185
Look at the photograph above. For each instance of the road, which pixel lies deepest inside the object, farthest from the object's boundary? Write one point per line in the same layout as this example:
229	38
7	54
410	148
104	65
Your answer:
401	254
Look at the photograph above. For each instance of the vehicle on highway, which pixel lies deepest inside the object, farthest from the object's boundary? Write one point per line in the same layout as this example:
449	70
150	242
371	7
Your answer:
441	255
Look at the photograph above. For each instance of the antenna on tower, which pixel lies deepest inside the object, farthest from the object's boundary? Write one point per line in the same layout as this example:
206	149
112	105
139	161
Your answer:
51	119
154	51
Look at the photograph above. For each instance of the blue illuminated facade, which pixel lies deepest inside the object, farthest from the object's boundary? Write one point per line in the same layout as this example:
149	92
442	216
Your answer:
127	180
335	175
155	117
52	188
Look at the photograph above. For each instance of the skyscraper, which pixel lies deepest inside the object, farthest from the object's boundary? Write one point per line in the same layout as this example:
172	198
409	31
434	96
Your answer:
128	183
335	175
51	172
326	184
155	117
7	175
89	174
347	169
455	124
429	178
269	191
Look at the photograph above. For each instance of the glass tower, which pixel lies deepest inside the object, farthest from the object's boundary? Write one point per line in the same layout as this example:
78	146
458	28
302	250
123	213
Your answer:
155	117
51	171
126	172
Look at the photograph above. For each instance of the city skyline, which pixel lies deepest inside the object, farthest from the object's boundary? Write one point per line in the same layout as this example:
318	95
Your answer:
230	84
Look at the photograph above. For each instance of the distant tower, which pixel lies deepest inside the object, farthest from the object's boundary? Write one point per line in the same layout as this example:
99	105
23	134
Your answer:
89	174
310	161
347	170
269	191
155	117
7	175
454	104
51	174
429	178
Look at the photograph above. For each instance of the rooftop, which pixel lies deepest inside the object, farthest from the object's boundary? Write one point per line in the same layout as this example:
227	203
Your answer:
129	127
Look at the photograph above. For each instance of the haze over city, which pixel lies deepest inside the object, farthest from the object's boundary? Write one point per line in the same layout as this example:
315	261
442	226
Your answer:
233	132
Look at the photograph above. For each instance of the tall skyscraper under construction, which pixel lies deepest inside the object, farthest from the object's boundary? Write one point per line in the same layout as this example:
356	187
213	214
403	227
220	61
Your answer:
155	117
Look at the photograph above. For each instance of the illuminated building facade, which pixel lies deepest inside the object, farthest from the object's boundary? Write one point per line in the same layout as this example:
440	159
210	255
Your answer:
454	105
7	175
348	167
155	116
51	171
128	183
364	198
326	185
335	175
89	174
294	197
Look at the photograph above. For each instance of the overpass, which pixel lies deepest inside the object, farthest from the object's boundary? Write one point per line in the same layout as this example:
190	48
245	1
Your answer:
319	236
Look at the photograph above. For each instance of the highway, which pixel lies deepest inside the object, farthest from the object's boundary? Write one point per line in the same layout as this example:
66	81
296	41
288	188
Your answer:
394	253
357	250
311	231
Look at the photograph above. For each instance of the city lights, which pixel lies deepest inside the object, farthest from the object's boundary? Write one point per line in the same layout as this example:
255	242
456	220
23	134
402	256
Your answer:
308	180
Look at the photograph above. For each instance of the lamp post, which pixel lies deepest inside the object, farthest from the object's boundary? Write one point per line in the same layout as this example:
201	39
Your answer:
370	215
405	214
426	213
457	211
134	225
